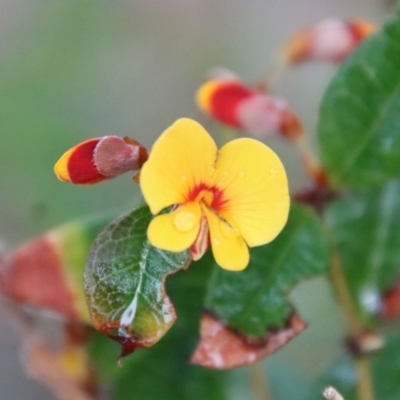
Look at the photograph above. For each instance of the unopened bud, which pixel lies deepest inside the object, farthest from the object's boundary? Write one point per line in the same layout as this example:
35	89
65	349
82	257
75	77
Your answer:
390	303
329	40
367	343
232	103
98	159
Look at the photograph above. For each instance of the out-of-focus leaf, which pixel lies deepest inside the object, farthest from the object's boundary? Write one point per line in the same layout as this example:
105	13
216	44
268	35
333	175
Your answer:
251	307
360	114
124	281
365	227
163	371
385	374
47	272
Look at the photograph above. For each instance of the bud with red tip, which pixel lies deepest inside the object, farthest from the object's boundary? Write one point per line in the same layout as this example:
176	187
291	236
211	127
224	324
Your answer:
390	306
230	102
328	40
98	159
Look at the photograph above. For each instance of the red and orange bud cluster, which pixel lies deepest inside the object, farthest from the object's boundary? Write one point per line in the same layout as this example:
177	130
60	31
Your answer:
98	159
328	40
230	102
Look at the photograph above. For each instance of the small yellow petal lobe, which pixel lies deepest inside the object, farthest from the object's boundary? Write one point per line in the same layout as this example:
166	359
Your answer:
229	249
61	166
177	230
205	93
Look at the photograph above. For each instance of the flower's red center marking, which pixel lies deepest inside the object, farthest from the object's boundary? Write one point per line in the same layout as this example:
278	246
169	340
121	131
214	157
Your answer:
224	102
211	196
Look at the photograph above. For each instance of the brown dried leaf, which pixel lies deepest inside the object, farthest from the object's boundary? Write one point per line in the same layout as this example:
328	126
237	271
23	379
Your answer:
223	348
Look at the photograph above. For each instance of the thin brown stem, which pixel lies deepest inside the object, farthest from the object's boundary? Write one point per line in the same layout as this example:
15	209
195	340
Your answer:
339	284
312	165
275	70
365	390
258	382
354	327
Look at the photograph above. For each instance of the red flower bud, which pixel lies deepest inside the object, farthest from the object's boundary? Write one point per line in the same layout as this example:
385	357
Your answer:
328	40
98	159
232	103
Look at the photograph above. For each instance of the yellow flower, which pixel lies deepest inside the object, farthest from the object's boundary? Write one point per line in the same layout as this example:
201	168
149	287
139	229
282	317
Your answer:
238	194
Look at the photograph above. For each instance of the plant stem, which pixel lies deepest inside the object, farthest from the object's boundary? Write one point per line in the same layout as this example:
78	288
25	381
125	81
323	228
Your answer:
339	284
311	164
258	382
365	390
275	70
354	327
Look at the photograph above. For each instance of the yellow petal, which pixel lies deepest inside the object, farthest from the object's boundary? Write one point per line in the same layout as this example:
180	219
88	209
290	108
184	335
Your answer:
229	249
255	187
61	166
205	93
177	230
181	158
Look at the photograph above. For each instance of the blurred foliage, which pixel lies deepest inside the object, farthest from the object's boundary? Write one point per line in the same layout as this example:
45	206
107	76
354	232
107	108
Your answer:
365	228
359	120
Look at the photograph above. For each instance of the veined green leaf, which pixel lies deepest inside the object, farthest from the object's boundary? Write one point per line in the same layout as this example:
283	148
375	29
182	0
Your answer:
360	114
163	371
365	227
250	308
124	280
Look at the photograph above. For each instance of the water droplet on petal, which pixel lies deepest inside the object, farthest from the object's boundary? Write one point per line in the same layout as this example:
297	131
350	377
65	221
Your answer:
210	169
241	173
183	178
273	171
184	221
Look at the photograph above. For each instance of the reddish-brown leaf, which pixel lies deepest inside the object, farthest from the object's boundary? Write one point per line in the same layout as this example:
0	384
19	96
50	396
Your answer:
223	348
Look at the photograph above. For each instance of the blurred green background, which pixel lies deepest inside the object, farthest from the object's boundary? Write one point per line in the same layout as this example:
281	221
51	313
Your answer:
71	70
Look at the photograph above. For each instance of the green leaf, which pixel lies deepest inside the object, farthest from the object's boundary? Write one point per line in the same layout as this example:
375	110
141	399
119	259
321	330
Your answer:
255	299
365	227
360	114
164	371
385	374
124	283
250	309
